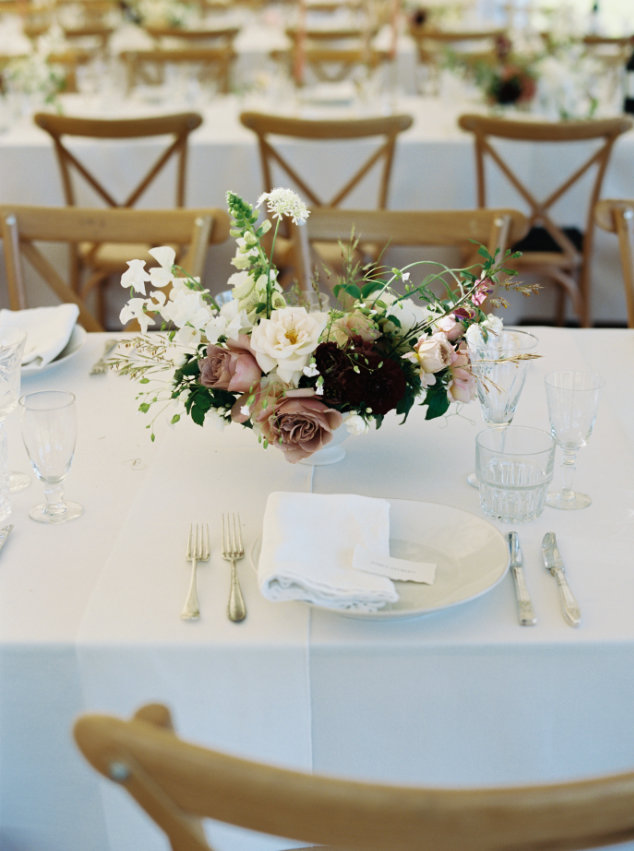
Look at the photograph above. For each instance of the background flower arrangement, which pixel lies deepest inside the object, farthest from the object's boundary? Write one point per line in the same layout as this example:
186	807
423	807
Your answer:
294	375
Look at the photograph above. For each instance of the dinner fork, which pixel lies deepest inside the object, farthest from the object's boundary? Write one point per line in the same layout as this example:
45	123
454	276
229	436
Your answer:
233	550
102	366
197	550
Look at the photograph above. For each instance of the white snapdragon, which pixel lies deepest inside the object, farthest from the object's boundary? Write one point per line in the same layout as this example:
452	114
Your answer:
229	322
284	202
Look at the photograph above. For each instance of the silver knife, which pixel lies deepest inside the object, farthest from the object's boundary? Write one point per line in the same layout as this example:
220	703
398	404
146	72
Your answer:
525	610
4	534
555	564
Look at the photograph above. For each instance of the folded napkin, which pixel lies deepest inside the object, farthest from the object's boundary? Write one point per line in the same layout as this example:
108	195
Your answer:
308	541
48	330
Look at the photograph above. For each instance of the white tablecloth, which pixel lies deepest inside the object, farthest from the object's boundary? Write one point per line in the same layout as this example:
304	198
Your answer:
89	615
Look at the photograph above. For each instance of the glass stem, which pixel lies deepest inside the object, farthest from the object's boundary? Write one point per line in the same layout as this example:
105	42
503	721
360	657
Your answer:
5	502
54	495
569	470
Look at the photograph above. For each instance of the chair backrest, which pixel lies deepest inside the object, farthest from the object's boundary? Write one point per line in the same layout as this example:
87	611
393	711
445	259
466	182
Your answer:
270	128
617	216
330	64
431	42
488	132
177	783
24	226
497	229
205	64
211	36
176	127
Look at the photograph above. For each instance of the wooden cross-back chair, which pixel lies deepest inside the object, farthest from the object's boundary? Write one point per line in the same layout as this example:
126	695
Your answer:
25	228
93	263
210	36
495	229
551	250
617	216
432	45
178	784
331	64
208	65
271	130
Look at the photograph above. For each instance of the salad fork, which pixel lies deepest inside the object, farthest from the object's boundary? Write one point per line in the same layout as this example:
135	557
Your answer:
197	550
233	550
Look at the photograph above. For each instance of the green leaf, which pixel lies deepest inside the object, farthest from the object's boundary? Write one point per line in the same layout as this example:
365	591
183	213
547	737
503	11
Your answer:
437	401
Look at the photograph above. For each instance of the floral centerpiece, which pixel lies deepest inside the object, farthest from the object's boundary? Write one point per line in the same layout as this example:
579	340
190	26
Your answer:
295	375
33	77
163	13
509	80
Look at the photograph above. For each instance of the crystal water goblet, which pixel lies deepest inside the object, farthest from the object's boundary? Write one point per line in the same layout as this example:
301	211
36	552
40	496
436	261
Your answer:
12	342
573	400
499	365
49	431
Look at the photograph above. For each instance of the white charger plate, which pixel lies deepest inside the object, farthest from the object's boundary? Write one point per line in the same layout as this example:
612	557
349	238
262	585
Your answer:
74	344
470	554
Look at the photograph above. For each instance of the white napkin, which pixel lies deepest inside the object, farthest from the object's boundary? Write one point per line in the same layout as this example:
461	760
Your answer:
308	542
48	330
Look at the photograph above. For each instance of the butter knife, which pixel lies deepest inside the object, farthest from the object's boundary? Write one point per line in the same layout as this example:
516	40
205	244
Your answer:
525	610
555	565
4	534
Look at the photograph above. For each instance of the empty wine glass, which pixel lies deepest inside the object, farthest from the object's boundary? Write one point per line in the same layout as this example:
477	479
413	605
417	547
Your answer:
11	348
499	366
573	399
49	431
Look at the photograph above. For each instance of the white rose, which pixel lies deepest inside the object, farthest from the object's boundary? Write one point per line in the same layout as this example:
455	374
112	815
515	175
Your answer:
355	424
287	340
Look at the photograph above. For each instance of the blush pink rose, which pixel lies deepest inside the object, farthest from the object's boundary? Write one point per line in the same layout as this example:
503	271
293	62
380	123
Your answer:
297	422
231	366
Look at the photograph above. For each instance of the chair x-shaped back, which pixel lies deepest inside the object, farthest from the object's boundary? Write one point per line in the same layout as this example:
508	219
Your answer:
551	250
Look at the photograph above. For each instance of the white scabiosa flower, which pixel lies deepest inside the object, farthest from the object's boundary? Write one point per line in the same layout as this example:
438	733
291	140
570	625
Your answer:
284	202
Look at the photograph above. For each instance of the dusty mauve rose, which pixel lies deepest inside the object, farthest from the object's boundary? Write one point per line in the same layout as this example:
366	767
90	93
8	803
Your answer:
297	422
230	367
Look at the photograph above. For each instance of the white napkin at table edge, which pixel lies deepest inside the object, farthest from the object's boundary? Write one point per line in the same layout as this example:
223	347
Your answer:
48	331
307	545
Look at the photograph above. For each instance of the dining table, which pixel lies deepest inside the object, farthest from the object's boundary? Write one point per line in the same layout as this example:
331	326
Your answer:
455	695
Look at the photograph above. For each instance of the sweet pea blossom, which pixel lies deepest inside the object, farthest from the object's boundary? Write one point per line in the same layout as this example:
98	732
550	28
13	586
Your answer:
286	341
135	276
162	275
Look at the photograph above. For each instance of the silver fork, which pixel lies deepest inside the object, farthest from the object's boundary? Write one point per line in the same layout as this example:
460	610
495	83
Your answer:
233	550
197	550
102	366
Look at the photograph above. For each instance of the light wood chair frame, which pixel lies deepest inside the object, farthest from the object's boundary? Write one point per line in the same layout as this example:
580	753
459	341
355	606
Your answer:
569	268
223	36
24	227
330	64
384	128
617	216
178	784
176	127
213	63
496	229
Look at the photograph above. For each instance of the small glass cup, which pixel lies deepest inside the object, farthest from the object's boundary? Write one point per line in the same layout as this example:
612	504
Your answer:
514	466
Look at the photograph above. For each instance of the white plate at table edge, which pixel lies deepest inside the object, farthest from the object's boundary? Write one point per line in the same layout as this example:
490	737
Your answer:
455	583
75	342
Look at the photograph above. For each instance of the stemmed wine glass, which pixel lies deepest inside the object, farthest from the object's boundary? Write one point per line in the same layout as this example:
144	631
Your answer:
49	431
500	370
573	399
12	342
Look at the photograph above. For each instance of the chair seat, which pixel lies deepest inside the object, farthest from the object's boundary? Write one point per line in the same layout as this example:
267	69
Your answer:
113	256
539	239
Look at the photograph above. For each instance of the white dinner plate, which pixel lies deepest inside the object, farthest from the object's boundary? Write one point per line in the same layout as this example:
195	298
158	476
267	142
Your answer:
74	344
470	554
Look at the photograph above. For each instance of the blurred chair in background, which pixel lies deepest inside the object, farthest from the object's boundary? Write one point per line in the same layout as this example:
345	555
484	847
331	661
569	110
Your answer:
92	264
558	253
273	131
617	216
208	67
192	230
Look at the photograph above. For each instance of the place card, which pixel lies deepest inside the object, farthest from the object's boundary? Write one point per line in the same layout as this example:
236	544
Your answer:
400	569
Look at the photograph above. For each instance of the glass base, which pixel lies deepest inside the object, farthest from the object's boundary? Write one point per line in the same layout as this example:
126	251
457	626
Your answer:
41	515
472	479
327	455
568	500
18	481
